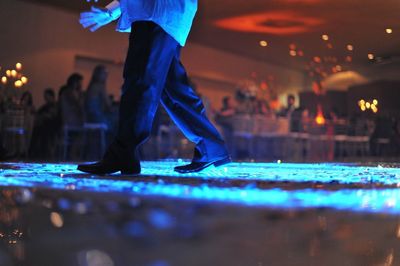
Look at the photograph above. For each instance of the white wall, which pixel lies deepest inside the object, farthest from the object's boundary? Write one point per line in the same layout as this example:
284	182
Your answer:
47	40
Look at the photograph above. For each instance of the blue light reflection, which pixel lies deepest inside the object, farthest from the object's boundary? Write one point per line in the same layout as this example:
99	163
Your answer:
382	200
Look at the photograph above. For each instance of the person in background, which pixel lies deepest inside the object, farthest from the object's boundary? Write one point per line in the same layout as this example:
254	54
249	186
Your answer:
288	110
46	128
97	102
26	102
224	118
263	108
97	109
305	121
395	138
240	98
71	102
72	115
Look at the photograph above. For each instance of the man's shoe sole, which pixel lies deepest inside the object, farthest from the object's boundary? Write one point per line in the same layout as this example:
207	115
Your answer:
123	172
216	164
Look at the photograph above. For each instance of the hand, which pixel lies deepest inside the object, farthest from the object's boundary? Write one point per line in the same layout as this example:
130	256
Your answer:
95	18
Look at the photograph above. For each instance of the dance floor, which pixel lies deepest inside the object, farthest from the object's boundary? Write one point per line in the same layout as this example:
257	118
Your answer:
239	214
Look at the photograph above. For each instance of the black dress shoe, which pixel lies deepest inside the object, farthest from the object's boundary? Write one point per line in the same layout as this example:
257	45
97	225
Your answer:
104	167
199	166
116	159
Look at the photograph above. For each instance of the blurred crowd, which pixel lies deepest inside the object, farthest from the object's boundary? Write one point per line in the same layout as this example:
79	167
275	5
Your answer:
28	132
58	130
382	131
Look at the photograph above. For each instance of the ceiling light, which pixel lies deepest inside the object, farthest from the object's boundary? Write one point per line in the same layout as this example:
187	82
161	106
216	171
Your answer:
317	59
325	37
263	43
350	47
389	31
371	56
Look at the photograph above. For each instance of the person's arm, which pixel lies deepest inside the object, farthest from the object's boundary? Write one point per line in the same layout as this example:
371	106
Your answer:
98	17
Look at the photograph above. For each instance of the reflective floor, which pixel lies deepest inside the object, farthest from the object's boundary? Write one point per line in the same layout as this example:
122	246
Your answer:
241	214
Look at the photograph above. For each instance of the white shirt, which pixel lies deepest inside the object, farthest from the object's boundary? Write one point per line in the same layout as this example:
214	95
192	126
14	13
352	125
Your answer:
174	16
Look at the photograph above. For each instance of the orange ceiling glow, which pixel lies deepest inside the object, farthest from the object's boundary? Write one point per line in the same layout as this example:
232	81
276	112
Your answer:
271	22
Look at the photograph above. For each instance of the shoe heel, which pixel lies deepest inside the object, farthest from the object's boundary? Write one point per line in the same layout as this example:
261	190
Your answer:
222	162
130	173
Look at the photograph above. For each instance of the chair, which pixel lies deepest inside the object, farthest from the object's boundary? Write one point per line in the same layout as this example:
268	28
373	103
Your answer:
95	133
69	135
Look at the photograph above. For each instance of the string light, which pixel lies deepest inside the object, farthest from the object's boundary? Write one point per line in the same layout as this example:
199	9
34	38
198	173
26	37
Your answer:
364	105
18	84
325	37
14	73
15	77
389	31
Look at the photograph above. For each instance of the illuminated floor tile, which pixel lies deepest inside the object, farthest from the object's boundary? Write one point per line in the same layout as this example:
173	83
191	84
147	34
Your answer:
361	188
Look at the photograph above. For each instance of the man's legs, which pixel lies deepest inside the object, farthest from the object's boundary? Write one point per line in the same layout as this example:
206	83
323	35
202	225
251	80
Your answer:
149	57
147	64
187	111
